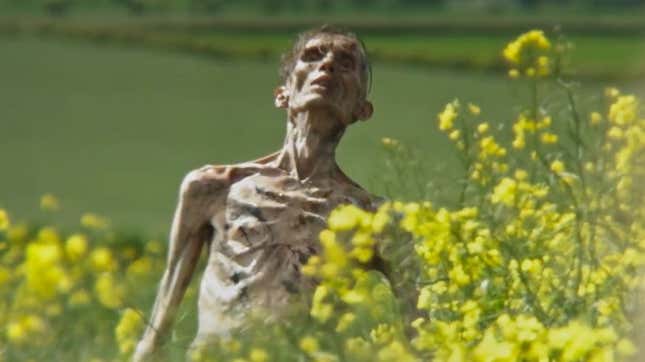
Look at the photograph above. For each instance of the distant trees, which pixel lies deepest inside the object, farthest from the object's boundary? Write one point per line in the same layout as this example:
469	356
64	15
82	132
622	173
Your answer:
141	7
57	7
208	6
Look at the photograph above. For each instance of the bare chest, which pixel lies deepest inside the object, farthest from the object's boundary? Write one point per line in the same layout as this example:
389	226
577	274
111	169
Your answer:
266	232
264	210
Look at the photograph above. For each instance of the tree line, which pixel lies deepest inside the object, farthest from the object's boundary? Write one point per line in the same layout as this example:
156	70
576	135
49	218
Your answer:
141	7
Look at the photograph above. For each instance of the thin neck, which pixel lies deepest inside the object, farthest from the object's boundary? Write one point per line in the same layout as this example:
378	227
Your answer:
309	149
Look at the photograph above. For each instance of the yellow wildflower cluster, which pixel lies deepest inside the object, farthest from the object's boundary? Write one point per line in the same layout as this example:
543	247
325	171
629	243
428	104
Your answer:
4	220
529	268
59	289
525	128
448	116
482	153
129	330
529	55
49	202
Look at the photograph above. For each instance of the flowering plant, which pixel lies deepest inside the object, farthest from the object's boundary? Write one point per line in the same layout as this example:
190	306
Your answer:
540	258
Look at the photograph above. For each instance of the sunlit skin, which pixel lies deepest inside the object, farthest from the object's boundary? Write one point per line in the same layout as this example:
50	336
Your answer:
260	220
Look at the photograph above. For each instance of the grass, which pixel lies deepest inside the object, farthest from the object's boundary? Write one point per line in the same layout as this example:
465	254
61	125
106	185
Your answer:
601	56
114	129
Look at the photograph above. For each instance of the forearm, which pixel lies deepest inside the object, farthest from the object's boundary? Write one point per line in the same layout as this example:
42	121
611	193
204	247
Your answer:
171	291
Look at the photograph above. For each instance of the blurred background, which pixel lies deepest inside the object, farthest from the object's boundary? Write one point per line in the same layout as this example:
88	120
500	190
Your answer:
106	104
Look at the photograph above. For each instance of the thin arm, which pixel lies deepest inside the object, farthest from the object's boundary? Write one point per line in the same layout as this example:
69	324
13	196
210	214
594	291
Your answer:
190	229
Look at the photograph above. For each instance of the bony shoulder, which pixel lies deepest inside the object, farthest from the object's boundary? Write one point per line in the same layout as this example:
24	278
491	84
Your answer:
211	179
206	179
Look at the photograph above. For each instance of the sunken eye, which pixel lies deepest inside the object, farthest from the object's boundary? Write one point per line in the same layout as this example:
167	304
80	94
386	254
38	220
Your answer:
312	54
346	61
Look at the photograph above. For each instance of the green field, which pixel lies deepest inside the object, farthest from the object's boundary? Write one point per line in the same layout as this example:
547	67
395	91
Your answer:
113	129
602	51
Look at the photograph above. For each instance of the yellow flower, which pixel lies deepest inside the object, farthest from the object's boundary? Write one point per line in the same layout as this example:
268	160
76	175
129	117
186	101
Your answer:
309	344
381	218
4	220
49	202
625	347
345	321
529	52
505	192
5	276
258	355
358	348
514	73
140	267
128	330
519	143
531	266
459	276
16	333
490	349
482	127
615	133
520	174
448	116
490	148
544	123
454	135
94	221
395	351
530	72
347	217
102	260
389	142
595	118
543	68
76	246
25	329
353	296
624	110
439	287
311	266
154	247
612	92
425	298
78	298
109	292
43	254
319	309
383	333
557	166
474	109
17	233
362	254
548	138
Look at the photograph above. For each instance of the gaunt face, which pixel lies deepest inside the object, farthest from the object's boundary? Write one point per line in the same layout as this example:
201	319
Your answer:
327	76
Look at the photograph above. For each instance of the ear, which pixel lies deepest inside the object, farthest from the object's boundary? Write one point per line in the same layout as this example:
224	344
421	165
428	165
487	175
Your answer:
364	111
281	97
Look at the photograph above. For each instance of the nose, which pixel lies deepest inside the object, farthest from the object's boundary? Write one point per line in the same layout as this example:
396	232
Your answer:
327	63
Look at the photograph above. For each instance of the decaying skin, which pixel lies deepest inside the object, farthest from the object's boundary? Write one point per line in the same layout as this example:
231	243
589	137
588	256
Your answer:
260	220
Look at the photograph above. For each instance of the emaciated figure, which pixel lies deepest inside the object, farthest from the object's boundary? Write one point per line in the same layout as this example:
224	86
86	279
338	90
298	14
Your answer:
260	220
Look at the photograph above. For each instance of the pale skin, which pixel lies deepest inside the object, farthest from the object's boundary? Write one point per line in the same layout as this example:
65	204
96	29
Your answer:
260	220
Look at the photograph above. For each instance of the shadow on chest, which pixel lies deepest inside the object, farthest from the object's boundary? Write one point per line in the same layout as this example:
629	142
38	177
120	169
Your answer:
279	209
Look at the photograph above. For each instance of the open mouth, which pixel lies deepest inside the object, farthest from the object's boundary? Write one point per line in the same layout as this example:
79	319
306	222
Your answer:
323	81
